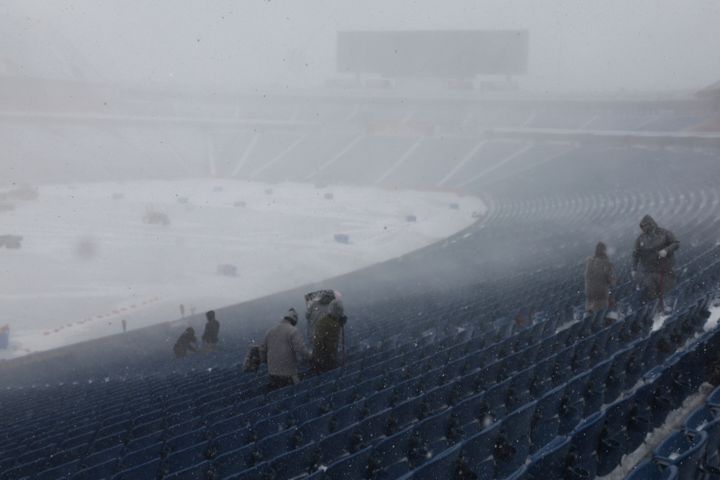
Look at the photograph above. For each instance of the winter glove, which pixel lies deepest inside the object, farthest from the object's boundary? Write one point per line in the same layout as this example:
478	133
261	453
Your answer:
662	253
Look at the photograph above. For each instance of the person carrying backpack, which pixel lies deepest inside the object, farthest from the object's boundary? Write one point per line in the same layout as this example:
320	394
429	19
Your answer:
328	324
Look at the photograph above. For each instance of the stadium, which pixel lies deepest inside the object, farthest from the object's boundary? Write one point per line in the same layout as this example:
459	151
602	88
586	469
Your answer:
453	210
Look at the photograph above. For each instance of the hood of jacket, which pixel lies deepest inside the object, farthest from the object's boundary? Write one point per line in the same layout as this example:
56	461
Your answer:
648	224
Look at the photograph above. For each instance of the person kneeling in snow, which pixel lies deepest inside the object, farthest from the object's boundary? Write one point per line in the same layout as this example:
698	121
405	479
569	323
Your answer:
187	341
280	349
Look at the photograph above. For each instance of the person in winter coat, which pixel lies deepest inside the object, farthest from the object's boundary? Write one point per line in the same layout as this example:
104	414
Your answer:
599	279
187	341
282	347
326	333
654	255
318	305
210	334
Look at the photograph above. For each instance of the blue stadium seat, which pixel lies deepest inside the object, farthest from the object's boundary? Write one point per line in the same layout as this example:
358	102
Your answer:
230	441
445	465
713	399
635	366
309	411
429	437
313	430
649	470
562	368
406	412
440	397
489	374
572	405
352	466
347	415
234	461
613	439
371	428
650	357
189	439
495	399
513	444
274	445
389	457
60	472
546	420
144	455
594	393
706	419
334	446
292	464
149	428
98	471
146	441
518	392
583	446
380	400
541	380
197	471
684	451
106	443
652	395
186	458
478	452
615	380
640	419
254	473
24	470
144	471
458	367
103	456
550	461
508	366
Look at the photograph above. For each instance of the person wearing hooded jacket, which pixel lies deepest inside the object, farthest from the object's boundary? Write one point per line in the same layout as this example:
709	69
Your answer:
212	328
326	333
318	305
281	349
186	341
599	279
654	255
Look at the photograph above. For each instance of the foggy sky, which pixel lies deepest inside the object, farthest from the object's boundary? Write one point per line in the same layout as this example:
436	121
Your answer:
575	45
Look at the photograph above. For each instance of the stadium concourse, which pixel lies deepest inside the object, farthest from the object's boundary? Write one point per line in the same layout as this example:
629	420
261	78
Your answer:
469	358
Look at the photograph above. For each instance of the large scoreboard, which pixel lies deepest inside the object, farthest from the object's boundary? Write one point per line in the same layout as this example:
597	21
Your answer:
433	53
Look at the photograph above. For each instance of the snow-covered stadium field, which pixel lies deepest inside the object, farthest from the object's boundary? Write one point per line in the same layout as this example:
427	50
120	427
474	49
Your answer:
88	259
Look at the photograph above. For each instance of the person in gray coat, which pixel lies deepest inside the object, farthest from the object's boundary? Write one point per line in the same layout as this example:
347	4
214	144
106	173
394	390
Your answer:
282	349
599	279
654	255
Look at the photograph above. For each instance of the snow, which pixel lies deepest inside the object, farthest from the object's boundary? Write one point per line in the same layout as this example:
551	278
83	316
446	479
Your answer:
659	321
712	321
88	260
673	422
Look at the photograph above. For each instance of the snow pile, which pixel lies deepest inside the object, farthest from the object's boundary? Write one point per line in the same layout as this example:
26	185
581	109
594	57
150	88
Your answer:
673	422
